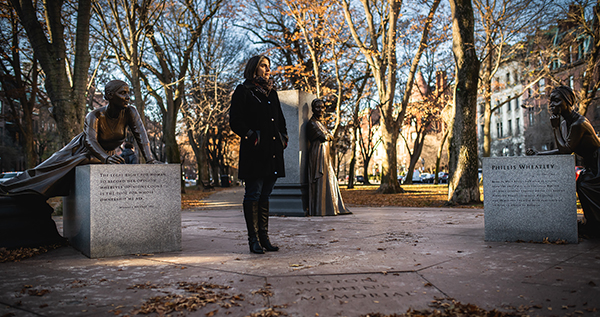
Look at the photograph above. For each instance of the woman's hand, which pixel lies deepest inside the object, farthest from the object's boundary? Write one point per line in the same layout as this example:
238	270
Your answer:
115	159
555	121
530	152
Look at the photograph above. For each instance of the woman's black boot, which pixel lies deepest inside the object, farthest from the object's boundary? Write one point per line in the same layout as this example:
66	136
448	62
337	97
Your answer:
263	226
251	216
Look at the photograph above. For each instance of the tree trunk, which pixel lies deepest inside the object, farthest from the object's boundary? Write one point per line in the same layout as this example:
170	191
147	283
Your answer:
438	158
414	158
68	100
463	162
389	167
487	107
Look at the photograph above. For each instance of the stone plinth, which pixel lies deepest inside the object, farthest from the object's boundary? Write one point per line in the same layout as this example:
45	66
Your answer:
124	209
530	198
290	195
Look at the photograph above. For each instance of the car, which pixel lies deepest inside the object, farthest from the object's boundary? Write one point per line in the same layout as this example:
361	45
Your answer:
8	175
416	178
427	178
443	177
360	179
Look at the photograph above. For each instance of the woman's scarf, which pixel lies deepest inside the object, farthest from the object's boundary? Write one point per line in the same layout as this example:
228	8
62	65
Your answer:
264	86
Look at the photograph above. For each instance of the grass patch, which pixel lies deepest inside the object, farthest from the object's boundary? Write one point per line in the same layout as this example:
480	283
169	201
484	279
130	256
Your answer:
194	196
414	196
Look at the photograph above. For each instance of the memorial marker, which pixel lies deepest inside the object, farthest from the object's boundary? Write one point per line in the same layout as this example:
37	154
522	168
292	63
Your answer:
530	198
124	209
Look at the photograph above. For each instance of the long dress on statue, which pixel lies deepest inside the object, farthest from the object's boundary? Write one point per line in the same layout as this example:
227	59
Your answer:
100	137
324	193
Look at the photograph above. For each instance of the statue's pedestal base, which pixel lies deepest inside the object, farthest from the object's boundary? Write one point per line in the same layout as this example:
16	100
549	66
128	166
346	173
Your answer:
26	221
288	200
124	209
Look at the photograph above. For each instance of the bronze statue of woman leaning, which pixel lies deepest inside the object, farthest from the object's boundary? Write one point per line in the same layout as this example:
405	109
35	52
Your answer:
104	131
25	217
573	133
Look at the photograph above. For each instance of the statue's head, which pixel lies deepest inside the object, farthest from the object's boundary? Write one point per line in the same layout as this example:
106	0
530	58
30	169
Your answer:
562	99
252	66
318	106
112	87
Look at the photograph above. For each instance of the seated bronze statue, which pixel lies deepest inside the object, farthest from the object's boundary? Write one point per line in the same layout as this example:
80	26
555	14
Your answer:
324	194
573	133
104	130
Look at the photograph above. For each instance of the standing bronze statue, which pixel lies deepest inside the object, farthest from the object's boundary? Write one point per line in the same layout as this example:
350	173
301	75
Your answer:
256	116
324	195
104	131
573	133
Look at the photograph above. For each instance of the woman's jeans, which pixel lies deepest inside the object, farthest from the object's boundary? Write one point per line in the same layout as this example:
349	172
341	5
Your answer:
259	189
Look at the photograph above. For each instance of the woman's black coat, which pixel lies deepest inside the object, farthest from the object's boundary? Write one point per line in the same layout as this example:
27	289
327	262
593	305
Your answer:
253	115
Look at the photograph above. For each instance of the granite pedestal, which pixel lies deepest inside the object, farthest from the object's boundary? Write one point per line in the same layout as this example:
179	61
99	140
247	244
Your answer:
530	198
290	195
124	209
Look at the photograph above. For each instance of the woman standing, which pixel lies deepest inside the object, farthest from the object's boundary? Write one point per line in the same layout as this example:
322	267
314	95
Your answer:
255	115
573	133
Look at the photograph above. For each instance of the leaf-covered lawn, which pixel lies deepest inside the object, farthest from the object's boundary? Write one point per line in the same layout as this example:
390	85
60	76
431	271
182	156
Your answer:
414	196
193	196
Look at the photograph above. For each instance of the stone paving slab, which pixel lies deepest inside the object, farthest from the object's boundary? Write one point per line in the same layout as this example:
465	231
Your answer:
376	260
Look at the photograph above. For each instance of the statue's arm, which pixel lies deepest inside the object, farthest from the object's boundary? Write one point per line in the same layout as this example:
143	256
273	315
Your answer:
91	137
568	145
316	133
139	133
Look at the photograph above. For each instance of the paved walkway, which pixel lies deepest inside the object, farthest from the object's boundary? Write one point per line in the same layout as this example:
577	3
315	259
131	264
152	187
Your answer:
384	260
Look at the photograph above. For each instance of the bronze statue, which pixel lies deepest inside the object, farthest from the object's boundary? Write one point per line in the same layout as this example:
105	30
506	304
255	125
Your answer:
573	133
104	131
324	193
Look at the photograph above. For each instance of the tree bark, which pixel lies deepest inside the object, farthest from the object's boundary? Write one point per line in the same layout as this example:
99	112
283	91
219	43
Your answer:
68	100
463	161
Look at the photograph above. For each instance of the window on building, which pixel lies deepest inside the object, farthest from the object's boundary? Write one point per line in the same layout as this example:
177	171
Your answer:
509	127
481	133
517	103
530	114
505	151
542	85
508	78
580	51
517	126
499	130
413	136
516	77
508	104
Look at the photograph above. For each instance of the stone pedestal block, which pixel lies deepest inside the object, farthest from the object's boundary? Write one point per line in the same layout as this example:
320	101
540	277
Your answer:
124	209
530	198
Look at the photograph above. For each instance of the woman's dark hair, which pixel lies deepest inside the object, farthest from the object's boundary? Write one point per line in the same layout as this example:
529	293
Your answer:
252	65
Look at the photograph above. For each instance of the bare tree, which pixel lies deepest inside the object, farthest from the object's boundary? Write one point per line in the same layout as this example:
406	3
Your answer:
502	22
19	80
463	184
173	38
66	84
424	116
378	46
123	24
